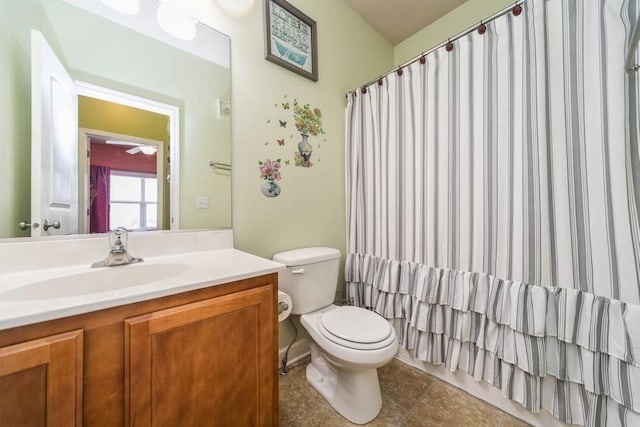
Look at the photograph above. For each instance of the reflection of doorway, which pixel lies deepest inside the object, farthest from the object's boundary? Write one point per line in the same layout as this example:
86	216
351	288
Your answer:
124	182
130	117
120	135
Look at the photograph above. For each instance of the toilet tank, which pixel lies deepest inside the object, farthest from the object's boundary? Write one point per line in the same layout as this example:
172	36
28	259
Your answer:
311	277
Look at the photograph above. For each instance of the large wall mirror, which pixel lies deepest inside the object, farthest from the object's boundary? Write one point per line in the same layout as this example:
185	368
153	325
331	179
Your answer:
108	121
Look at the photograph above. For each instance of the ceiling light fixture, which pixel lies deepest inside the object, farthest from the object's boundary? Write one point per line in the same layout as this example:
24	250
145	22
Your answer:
236	8
128	7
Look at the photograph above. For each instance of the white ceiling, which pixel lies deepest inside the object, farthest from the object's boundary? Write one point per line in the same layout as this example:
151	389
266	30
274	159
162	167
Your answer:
398	19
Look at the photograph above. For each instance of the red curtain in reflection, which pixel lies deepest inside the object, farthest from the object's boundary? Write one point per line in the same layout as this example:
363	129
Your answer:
99	178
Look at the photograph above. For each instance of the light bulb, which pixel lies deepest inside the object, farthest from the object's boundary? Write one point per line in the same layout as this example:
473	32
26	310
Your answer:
176	22
236	8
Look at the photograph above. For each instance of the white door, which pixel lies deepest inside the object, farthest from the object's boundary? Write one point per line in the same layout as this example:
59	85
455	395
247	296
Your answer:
54	143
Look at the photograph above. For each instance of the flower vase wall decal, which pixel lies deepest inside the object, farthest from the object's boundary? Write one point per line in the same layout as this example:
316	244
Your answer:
303	156
309	123
270	172
270	189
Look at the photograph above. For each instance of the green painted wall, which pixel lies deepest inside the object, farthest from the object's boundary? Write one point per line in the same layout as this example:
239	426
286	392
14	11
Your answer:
311	208
15	113
456	21
310	211
96	114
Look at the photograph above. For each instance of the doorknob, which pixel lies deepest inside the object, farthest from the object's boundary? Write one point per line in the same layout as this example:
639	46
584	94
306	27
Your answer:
47	225
24	225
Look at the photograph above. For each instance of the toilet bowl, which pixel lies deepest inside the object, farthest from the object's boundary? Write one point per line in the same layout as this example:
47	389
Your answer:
352	336
343	371
349	343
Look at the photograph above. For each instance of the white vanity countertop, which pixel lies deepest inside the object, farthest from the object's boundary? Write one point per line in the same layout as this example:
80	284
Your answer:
193	270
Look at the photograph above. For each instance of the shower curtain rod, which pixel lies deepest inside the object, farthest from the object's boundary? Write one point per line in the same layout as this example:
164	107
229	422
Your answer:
444	43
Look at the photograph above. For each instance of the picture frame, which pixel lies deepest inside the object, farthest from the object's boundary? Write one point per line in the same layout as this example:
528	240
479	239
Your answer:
291	39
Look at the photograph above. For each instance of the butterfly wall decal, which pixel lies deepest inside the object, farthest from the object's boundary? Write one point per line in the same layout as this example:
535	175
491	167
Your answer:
266	143
281	142
285	105
283	124
286	162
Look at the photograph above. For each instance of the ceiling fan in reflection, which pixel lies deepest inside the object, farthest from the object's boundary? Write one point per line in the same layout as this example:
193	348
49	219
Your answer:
149	150
145	149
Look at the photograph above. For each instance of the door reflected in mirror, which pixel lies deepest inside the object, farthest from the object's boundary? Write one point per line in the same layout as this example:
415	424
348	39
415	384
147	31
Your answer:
121	140
101	55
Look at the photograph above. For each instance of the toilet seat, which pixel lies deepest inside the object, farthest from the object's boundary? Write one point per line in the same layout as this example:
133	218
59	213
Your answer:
356	328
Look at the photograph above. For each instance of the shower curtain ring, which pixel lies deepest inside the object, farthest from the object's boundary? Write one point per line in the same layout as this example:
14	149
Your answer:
517	10
449	46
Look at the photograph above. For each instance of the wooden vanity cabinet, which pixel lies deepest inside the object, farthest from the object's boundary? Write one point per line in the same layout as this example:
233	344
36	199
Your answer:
205	357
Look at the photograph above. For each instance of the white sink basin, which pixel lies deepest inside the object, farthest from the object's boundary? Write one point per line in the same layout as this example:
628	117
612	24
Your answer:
94	281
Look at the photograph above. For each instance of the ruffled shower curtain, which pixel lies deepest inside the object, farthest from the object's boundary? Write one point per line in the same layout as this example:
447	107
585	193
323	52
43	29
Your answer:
493	200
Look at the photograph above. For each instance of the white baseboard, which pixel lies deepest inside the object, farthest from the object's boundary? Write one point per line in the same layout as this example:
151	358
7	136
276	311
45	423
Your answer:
299	350
481	390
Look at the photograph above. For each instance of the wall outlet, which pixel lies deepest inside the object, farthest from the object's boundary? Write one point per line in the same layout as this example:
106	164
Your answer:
202	202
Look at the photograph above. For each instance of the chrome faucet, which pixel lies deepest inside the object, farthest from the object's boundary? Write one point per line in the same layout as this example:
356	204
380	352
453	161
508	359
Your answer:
118	254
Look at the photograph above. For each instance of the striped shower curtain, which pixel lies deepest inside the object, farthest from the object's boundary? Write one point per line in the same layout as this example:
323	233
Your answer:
493	200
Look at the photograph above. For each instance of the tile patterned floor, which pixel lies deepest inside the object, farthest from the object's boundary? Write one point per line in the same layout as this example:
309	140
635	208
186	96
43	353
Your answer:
410	398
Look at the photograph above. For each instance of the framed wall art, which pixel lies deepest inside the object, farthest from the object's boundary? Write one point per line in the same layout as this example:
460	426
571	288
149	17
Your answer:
291	38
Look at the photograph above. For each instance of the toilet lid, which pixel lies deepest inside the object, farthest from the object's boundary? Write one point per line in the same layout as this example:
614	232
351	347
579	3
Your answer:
356	327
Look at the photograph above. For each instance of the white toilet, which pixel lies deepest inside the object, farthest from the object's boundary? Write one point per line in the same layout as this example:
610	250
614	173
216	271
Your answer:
350	343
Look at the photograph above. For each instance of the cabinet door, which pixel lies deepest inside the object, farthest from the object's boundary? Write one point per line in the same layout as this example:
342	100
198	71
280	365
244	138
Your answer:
206	363
41	382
